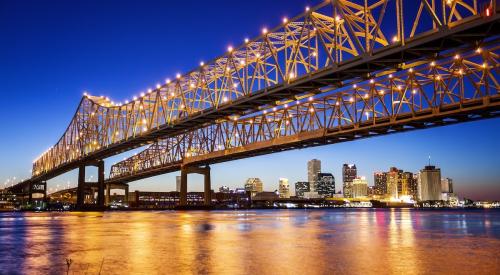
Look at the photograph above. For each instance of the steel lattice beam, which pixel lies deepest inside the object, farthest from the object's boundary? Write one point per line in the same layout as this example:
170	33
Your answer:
333	44
457	88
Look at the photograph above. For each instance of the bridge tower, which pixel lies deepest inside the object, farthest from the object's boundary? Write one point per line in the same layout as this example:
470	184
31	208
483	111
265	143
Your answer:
205	171
83	185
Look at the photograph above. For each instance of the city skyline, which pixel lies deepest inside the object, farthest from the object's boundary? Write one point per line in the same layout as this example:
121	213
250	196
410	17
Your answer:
58	75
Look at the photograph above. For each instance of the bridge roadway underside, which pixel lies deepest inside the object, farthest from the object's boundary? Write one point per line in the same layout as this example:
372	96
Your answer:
426	44
487	107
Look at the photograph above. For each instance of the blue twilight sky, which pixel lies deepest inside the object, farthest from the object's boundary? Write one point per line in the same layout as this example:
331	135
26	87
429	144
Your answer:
51	51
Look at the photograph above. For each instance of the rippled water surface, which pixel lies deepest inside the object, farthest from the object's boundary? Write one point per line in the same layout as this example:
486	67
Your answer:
256	242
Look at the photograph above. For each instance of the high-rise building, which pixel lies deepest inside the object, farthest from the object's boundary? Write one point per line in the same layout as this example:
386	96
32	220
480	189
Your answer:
178	183
429	183
325	184
284	188
393	182
446	185
224	189
359	187
254	186
313	168
380	181
301	187
408	188
349	173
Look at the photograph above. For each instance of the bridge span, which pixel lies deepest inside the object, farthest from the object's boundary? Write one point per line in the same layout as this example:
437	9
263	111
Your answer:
320	54
458	88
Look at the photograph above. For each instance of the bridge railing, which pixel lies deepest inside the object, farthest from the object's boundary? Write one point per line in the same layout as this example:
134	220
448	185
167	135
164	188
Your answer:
326	36
458	80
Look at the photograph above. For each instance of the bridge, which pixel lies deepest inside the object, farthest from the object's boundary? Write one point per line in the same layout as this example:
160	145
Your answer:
343	69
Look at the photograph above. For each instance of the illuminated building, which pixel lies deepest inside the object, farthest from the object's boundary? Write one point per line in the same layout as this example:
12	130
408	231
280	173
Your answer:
301	187
359	187
284	188
429	183
254	186
380	180
349	173
224	189
408	185
393	181
446	189
313	168
325	184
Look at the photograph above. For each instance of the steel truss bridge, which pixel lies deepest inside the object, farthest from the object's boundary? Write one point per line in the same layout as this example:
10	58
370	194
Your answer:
344	69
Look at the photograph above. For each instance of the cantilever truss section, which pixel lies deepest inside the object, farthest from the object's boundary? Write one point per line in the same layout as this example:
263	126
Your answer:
326	38
460	87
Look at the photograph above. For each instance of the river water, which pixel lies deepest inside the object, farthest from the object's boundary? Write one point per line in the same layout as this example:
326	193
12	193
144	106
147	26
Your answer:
346	241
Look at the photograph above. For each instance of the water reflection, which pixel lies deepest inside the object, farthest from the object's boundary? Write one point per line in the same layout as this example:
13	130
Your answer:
267	242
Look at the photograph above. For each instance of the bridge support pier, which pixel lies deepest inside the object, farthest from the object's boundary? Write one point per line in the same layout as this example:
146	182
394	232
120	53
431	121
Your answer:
205	171
82	184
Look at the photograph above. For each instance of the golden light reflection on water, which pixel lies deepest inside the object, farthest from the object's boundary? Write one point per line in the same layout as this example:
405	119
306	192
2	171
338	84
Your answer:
265	242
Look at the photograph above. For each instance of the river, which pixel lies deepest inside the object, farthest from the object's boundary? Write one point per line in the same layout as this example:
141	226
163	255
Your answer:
343	241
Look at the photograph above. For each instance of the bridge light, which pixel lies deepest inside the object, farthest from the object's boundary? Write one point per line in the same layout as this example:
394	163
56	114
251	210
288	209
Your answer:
460	72
242	62
351	99
310	98
457	56
158	86
285	20
150	90
142	94
354	86
438	77
247	40
478	50
399	87
224	99
264	31
297	102
307	8
191	85
414	91
265	112
381	92
167	81
274	109
144	121
172	94
202	63
311	110
433	64
390	75
485	65
314	54
135	98
292	75
366	95
230	49
286	106
85	94
126	102
410	70
395	39
372	81
178	76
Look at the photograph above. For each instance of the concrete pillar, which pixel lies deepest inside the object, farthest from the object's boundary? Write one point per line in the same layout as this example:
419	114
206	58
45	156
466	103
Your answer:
80	193
100	183
183	195
208	189
126	194
108	194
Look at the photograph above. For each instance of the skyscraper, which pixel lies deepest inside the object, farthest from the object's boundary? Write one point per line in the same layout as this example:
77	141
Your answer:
301	187
393	181
359	187
254	186
349	173
313	168
446	185
380	182
429	183
325	184
284	188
